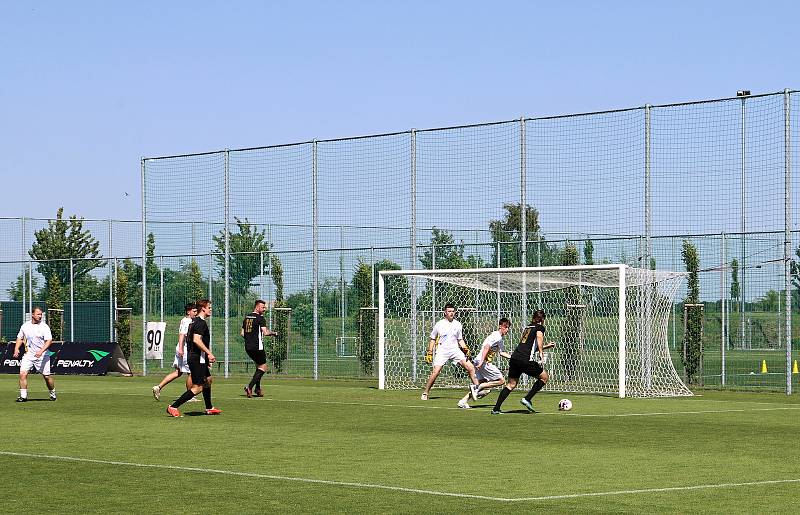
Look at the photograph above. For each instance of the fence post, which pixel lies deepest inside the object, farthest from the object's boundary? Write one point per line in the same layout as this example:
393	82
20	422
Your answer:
787	240
743	264
315	255
24	288
144	272
71	301
413	255
227	288
110	282
648	203
723	307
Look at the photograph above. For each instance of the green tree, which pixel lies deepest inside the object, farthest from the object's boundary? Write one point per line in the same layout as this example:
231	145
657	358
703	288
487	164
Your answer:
60	240
122	324
692	340
195	288
508	233
54	303
588	251
735	283
573	318
245	260
19	288
277	350
362	291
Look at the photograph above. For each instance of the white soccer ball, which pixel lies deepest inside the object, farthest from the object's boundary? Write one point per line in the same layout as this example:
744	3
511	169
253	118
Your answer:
564	405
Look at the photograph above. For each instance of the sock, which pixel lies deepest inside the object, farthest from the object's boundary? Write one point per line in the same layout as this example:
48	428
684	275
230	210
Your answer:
505	392
188	394
535	388
207	397
23	392
256	380
465	398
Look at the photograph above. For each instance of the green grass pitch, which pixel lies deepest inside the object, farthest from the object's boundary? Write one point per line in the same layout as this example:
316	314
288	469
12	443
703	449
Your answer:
334	446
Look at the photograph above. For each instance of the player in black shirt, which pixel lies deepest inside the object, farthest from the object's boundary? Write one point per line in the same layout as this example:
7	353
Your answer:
254	328
526	359
199	358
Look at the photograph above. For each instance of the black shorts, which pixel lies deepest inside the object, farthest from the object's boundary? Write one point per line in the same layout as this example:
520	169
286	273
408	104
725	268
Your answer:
199	371
518	367
259	356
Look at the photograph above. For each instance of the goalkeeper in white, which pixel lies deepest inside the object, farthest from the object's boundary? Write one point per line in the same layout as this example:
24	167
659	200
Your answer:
447	338
488	374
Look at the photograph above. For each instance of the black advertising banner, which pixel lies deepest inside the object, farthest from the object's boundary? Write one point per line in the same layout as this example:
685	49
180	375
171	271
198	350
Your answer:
10	364
75	358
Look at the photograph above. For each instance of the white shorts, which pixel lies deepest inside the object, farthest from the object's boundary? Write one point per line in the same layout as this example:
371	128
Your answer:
180	364
42	364
488	372
445	354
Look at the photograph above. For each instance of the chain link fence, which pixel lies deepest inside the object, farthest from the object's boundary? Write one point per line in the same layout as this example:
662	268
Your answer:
306	226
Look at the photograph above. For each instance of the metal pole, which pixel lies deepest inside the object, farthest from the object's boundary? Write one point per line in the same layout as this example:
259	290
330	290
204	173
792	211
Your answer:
743	267
110	282
114	301
723	285
30	286
648	202
522	186
787	240
227	282
413	266
161	296
315	255
341	278
71	301
144	272
621	330
22	285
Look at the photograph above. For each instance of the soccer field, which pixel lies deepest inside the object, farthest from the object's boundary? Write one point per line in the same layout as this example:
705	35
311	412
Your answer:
308	447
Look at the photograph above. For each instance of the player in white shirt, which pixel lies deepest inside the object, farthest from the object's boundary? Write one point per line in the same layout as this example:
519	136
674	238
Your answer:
447	337
37	338
488	374
179	363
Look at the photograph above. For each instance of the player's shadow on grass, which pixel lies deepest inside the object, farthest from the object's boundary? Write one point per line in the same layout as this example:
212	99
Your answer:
195	413
36	400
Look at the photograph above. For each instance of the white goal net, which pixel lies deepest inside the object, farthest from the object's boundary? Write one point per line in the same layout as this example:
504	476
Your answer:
609	324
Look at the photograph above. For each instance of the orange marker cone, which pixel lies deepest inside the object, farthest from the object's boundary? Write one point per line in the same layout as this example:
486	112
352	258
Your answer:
794	367
764	366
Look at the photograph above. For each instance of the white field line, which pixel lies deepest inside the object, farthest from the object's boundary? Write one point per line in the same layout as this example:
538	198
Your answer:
394	488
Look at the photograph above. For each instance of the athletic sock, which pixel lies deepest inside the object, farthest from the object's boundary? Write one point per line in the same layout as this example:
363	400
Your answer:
207	397
256	380
188	394
534	389
23	392
505	392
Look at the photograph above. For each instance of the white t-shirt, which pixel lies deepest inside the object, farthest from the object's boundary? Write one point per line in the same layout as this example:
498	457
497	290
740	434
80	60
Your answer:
34	335
495	344
448	333
183	329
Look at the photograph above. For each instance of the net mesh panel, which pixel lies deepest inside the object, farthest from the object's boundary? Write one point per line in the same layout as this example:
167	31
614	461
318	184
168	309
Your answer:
599	160
464	176
582	309
704	176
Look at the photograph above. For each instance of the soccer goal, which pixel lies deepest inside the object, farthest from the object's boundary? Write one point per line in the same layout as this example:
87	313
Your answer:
609	323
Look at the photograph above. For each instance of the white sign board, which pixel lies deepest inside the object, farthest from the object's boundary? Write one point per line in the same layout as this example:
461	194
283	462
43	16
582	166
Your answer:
155	340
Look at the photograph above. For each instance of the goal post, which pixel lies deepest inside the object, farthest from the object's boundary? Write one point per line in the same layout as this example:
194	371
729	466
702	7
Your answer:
609	323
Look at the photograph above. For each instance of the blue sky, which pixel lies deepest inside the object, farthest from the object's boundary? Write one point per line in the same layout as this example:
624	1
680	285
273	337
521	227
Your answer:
88	88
